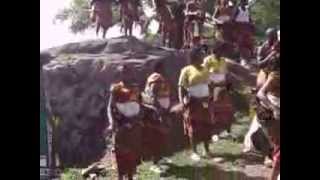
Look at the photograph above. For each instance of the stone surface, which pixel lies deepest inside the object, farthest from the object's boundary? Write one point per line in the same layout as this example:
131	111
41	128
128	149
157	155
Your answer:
76	77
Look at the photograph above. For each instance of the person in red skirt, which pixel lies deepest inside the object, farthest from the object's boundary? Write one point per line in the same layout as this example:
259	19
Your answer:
124	114
156	132
245	32
222	112
194	95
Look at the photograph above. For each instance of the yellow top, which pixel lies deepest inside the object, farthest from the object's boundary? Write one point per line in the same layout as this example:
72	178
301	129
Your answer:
215	66
190	76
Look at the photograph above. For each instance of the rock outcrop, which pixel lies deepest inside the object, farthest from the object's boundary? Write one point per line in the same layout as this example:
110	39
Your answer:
76	77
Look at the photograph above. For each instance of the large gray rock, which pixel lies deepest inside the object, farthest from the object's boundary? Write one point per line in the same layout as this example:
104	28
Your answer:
76	77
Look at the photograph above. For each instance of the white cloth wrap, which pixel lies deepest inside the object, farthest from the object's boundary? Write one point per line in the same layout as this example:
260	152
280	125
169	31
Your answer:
164	102
223	18
255	125
199	91
196	29
218	77
274	100
243	16
128	109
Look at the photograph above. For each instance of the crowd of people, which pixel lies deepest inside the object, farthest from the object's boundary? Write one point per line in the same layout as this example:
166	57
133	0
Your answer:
139	118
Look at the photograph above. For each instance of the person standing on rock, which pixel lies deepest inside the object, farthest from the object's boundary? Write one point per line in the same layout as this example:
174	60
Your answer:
245	32
193	25
124	114
101	14
269	48
222	17
194	95
156	132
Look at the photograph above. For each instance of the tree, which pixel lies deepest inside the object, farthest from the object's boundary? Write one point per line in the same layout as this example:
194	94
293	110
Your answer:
266	13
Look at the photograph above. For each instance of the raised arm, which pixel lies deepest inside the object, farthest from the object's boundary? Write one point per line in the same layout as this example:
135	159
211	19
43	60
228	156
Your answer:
181	86
262	93
109	113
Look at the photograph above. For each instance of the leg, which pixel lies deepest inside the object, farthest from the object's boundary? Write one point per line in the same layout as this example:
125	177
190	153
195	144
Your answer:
104	33
206	148
120	177
125	31
130	30
193	145
275	172
97	29
130	176
163	38
194	156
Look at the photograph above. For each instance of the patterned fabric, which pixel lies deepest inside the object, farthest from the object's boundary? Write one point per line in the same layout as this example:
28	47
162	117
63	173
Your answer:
197	123
155	135
128	149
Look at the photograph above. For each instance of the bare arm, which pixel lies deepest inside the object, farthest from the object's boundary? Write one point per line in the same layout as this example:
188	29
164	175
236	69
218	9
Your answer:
155	94
109	113
215	13
215	16
265	61
262	93
181	93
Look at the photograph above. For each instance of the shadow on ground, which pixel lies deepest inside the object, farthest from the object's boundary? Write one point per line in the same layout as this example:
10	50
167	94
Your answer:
204	172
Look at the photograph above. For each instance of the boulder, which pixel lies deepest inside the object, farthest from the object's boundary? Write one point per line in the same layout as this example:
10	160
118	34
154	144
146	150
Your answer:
76	78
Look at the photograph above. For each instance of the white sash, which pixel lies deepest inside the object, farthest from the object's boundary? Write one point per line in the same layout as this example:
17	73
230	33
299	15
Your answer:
223	18
243	16
164	102
128	109
196	29
255	125
274	100
199	91
218	77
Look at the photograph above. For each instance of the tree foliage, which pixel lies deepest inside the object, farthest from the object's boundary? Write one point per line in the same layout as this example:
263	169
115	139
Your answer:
266	13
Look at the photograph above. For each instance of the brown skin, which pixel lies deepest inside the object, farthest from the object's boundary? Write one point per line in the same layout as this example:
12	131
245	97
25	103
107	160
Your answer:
262	93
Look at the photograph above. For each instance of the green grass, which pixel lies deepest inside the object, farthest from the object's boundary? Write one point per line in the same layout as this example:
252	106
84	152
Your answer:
71	174
183	168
